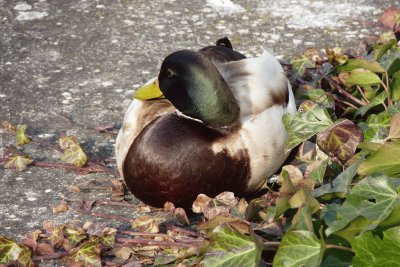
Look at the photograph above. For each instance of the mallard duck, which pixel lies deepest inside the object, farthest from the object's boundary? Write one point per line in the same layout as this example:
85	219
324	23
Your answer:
210	122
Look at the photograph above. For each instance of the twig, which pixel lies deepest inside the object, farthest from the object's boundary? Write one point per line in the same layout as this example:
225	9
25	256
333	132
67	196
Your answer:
181	230
124	242
54	256
362	93
390	103
341	90
131	233
272	243
87	169
339	247
110	216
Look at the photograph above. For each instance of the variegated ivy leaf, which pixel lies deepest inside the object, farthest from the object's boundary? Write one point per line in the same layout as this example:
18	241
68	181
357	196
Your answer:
20	163
73	153
340	140
88	254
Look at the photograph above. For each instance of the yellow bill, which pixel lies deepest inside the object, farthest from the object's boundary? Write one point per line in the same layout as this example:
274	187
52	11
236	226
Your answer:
149	91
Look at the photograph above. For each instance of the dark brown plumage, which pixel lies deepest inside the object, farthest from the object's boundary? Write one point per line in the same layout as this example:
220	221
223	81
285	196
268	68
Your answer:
193	168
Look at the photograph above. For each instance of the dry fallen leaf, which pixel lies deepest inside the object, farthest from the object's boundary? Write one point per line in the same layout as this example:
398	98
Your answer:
62	207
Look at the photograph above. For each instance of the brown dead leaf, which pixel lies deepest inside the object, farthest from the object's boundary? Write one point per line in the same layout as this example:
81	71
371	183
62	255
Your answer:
146	223
181	217
86	205
122	253
117	188
62	207
30	239
44	249
74	189
200	203
294	173
8	126
391	17
169	206
104	127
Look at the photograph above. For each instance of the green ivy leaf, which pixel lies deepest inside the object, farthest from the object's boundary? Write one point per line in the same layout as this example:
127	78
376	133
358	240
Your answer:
363	77
371	251
73	153
378	100
357	63
341	184
302	126
385	198
301	63
340	140
337	258
380	50
299	248
395	86
320	97
20	163
88	254
385	160
376	127
390	61
317	171
20	137
231	248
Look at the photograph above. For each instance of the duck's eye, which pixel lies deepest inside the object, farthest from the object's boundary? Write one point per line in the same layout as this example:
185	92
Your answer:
170	73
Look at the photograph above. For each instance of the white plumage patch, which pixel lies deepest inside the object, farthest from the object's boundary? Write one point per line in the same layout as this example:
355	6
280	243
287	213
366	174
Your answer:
254	83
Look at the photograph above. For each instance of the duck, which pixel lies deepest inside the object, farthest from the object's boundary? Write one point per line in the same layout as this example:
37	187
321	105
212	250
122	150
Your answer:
211	121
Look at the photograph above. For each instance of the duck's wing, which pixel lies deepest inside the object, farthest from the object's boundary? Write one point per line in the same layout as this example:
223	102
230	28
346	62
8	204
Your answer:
221	52
257	84
139	114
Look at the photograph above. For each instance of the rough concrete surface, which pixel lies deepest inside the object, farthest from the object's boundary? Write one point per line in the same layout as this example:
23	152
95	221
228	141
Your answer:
67	66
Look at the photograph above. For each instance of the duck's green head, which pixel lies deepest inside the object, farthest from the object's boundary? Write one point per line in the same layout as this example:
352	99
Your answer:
192	83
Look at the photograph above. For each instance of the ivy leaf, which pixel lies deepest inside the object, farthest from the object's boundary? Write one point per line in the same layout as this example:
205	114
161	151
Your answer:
365	247
20	137
88	254
385	160
371	251
299	248
376	127
337	258
336	55
373	198
301	63
395	86
231	248
380	50
20	163
302	126
378	100
285	192
73	153
390	61
9	250
12	252
363	77
340	140
320	97
357	63
75	235
316	171
341	184
394	132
